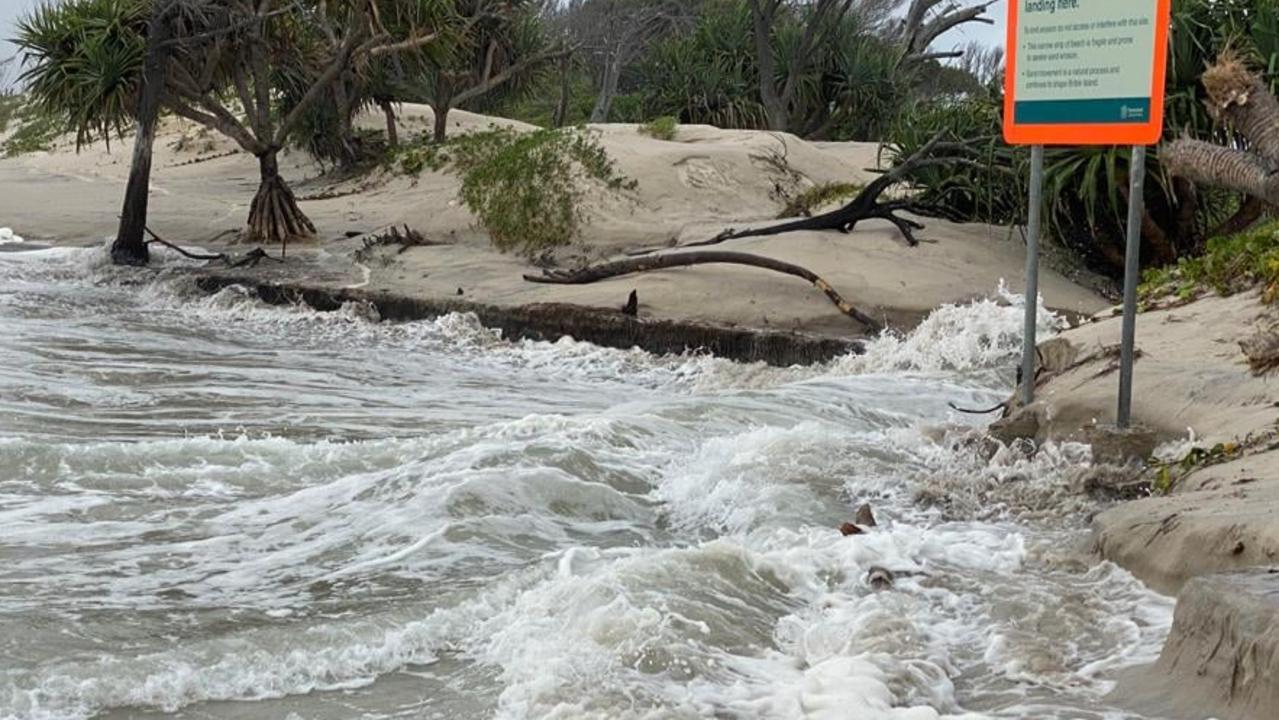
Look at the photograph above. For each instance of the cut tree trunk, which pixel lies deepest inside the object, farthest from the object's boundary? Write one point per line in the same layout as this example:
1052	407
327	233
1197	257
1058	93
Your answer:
392	131
603	271
274	215
608	90
441	113
1243	100
1245	217
129	246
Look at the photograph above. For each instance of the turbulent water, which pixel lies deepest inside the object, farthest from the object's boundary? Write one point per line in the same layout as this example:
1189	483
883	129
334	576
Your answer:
214	509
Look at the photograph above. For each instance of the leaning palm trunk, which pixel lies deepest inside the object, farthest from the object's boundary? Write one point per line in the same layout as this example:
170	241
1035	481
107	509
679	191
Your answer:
1243	101
1207	164
129	246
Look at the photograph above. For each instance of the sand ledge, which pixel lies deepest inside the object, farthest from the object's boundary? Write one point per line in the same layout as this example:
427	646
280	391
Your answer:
553	321
1222	656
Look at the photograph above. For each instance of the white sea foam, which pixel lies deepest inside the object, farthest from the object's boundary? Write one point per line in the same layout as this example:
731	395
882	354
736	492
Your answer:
653	537
972	336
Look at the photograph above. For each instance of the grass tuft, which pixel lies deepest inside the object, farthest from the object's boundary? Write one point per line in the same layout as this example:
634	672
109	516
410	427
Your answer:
662	128
817	197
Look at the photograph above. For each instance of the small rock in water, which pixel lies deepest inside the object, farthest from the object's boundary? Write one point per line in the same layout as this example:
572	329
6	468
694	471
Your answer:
459	292
879	578
1022	424
850	529
865	516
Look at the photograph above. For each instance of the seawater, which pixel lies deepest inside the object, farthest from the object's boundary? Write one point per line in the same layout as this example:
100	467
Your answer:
211	508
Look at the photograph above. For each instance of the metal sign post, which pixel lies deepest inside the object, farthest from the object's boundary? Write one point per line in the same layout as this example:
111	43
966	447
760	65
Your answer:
1085	72
1132	262
1032	274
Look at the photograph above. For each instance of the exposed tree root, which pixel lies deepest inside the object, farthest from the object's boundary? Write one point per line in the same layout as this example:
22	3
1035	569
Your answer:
194	256
275	216
603	271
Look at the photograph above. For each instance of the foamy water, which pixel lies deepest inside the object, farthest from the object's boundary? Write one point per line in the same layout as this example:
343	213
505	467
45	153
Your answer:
214	508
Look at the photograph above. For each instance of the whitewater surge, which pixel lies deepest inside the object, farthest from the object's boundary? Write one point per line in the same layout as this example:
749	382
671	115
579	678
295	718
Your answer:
216	508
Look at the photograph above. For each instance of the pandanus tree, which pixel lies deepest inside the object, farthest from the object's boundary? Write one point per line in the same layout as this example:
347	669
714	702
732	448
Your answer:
214	62
786	59
492	44
377	79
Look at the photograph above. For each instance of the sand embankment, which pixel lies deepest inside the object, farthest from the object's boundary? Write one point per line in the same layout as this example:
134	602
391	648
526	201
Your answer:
688	189
1192	380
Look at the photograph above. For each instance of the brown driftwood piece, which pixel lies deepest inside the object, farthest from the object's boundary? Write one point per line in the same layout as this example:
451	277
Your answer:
194	256
603	271
251	259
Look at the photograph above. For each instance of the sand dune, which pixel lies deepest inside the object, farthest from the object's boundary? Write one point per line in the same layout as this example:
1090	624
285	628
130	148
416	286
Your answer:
703	181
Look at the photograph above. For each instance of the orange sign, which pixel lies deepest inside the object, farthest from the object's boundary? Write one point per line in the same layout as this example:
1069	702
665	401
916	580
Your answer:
1085	72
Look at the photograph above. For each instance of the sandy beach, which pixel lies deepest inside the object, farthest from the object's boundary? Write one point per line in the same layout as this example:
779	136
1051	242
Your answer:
688	189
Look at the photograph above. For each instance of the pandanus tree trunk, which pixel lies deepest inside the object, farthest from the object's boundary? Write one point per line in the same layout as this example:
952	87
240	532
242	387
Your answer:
392	131
441	112
129	246
274	215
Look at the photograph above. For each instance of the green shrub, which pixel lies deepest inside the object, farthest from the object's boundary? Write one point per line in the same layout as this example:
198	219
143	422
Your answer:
1229	264
817	197
662	128
10	105
35	131
527	189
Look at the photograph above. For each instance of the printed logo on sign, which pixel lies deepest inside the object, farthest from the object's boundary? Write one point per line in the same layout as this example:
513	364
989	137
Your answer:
1127	112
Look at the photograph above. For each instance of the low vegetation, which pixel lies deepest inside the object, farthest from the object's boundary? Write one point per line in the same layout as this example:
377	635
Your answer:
662	128
10	104
1228	265
33	131
818	197
527	189
1168	473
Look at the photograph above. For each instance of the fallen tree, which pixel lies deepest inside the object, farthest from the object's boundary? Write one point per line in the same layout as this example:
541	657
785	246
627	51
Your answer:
604	271
868	204
1241	100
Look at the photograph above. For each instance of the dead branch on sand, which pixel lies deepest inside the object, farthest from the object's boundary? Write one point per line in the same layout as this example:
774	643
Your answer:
867	205
250	259
603	271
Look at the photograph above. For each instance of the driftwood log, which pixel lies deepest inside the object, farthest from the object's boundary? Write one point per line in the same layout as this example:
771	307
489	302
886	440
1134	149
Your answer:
603	271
